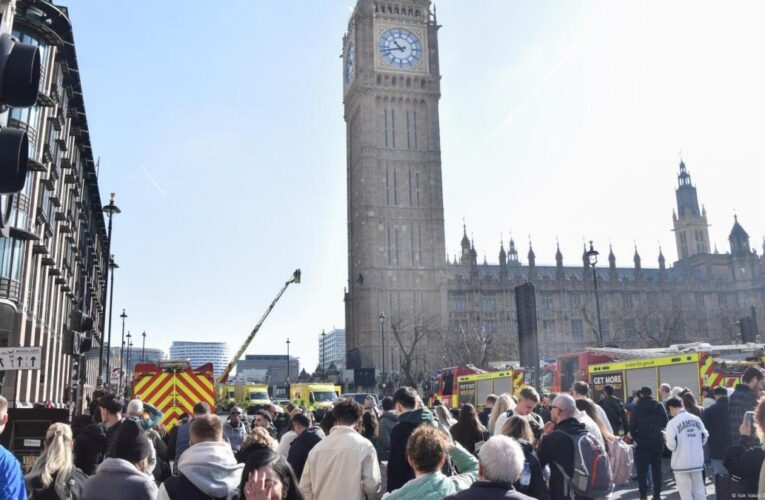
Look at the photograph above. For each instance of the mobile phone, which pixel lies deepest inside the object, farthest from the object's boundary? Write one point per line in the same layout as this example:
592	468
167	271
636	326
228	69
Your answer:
749	416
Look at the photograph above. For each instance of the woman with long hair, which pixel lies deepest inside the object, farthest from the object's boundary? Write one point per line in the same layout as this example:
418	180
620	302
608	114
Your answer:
502	406
370	429
267	476
689	402
468	429
588	407
519	429
53	474
445	419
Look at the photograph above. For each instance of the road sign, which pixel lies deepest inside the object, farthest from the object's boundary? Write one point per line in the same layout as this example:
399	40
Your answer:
20	358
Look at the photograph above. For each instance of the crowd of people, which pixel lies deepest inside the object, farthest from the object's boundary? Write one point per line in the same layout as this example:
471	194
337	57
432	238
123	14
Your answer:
527	445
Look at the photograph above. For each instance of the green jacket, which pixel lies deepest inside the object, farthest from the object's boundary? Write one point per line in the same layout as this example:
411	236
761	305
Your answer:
435	486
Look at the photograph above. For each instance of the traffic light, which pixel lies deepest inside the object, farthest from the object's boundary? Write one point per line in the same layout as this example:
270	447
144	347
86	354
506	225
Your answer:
19	83
79	321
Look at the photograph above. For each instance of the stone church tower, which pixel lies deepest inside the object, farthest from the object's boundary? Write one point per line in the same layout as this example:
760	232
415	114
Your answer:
396	251
690	224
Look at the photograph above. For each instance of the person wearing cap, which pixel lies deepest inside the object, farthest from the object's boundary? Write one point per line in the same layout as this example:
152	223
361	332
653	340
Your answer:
148	416
234	429
207	468
647	423
123	476
556	449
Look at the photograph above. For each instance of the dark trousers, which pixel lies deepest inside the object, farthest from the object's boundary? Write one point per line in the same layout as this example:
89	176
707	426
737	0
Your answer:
644	458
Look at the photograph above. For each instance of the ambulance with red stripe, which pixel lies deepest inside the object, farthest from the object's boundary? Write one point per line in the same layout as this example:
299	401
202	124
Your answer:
174	387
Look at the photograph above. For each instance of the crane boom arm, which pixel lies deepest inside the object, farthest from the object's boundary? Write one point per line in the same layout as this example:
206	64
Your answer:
224	376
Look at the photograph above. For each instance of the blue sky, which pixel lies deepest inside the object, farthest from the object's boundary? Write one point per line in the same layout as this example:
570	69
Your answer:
221	130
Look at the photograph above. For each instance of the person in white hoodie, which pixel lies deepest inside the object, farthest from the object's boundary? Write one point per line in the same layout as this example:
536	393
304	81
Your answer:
685	438
207	467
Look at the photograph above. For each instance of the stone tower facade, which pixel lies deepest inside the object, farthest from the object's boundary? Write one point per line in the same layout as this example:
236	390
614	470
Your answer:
690	224
396	251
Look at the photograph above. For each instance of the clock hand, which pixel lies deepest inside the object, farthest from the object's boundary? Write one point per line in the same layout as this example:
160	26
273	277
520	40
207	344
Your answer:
398	46
389	49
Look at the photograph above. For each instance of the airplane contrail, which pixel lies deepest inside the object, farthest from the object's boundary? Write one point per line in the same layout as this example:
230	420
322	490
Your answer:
156	185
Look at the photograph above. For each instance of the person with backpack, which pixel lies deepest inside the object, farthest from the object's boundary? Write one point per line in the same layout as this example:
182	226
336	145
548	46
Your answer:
647	423
53	475
686	437
578	463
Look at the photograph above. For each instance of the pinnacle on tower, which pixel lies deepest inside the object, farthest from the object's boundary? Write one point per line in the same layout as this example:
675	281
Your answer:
558	255
502	254
636	258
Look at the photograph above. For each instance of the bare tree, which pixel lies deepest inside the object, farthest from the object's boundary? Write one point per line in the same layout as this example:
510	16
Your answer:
411	331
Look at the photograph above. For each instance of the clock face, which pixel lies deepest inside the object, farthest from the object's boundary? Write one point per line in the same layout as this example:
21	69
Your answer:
400	47
349	56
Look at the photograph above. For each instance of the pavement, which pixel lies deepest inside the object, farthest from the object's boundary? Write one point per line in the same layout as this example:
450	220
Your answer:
668	491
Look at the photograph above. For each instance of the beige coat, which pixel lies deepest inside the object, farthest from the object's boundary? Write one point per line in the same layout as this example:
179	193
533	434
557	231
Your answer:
342	466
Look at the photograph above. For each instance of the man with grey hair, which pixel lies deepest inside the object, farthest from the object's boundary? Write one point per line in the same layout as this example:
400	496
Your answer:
557	449
500	463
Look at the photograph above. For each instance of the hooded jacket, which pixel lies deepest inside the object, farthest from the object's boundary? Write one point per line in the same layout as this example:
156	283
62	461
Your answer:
399	471
556	448
717	422
388	421
118	479
301	446
686	436
649	418
435	485
207	469
89	448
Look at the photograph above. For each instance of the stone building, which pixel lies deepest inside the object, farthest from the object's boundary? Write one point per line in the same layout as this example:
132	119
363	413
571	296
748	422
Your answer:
55	257
434	313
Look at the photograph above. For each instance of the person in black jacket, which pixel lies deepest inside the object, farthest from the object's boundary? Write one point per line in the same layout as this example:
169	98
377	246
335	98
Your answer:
614	410
519	429
410	417
90	445
744	398
111	416
308	437
557	450
649	418
484	415
744	459
717	422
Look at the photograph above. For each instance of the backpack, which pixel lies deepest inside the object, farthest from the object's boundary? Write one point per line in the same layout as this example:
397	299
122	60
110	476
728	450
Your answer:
592	472
622	460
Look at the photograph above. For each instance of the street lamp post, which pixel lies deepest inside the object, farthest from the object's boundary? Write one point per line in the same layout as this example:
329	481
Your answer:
382	346
592	257
110	210
122	350
288	360
323	352
127	363
143	347
112	266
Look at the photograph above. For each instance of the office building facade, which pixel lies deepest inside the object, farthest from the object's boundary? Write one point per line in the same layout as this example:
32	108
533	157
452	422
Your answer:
199	353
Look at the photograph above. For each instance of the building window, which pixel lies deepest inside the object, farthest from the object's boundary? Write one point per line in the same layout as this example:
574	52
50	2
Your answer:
387	186
573	302
417	186
395	188
419	245
385	115
548	325
627	301
547	302
415	130
396	235
699	300
489	327
408	131
390	249
410	187
576	329
10	258
723	299
459	304
393	127
489	304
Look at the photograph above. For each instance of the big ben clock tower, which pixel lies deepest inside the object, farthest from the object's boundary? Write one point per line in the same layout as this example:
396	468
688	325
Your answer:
396	253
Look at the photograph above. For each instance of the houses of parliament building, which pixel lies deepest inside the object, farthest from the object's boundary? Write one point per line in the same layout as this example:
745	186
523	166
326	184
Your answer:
399	276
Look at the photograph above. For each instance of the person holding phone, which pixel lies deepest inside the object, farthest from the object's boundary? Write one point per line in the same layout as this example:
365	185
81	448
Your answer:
744	458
